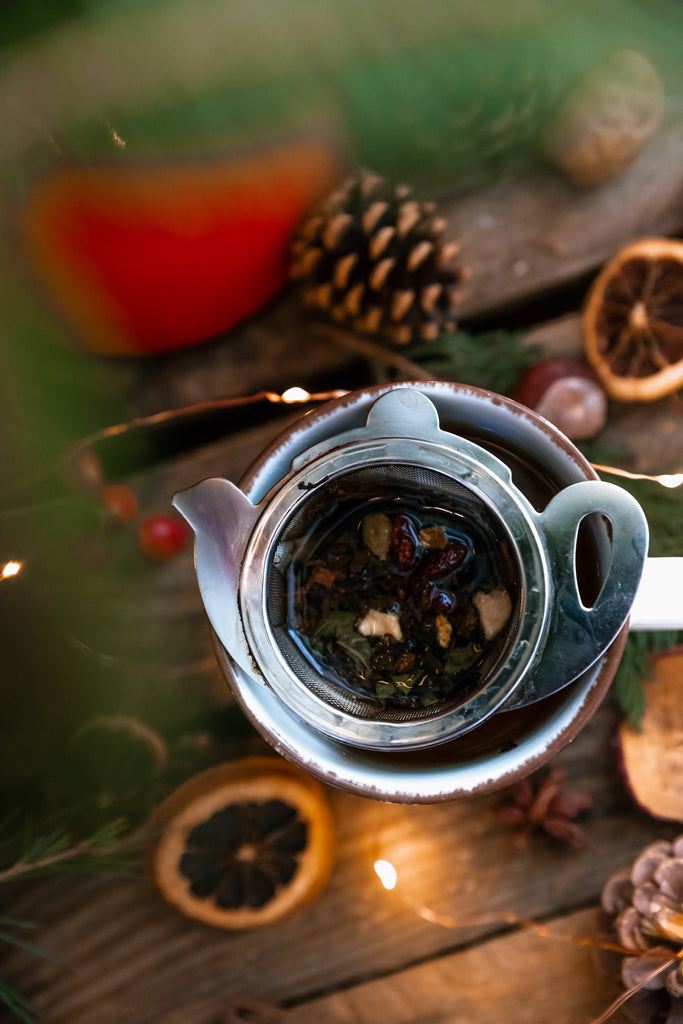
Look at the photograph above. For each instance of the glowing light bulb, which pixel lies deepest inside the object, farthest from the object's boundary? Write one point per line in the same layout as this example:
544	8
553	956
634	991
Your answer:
669	480
386	872
10	569
295	395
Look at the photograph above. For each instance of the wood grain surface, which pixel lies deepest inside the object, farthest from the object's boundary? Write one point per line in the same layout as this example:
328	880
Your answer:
360	954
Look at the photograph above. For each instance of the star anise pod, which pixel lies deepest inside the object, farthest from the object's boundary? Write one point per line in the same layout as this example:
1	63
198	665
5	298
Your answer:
550	806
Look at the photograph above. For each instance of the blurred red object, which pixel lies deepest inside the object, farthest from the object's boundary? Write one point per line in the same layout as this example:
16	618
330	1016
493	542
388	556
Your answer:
145	259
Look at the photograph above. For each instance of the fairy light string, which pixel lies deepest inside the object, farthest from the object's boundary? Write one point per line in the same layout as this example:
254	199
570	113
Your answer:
292	396
670	925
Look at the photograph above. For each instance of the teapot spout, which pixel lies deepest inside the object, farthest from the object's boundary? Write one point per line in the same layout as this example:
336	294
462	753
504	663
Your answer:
213	505
222	518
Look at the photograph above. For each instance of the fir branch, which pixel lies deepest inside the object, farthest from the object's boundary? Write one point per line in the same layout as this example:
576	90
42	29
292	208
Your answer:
492	360
52	852
18	1004
634	669
22	1008
30	947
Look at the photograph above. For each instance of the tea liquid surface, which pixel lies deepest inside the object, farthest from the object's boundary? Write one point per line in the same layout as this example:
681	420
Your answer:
403	600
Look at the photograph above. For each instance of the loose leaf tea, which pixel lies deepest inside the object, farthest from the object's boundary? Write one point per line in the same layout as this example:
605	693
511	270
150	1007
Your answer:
402	599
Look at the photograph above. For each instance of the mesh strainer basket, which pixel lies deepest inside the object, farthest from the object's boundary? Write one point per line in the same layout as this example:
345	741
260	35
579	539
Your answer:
244	553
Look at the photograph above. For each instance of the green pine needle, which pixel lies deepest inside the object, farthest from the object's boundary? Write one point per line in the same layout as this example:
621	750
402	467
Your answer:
18	1004
22	1008
31	947
493	360
634	669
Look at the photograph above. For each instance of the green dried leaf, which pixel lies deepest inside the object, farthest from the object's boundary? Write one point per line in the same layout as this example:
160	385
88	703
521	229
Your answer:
460	658
341	627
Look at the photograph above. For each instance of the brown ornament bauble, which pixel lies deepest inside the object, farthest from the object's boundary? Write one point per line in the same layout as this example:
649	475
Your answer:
607	119
374	259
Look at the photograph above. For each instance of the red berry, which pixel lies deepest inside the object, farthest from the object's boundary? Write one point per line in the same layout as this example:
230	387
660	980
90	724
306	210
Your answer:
120	501
162	537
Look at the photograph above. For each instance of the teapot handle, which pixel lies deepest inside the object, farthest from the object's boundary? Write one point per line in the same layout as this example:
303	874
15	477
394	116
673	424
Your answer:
578	634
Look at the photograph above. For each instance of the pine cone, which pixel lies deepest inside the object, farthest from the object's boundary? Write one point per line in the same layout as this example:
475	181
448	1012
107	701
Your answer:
373	259
643	910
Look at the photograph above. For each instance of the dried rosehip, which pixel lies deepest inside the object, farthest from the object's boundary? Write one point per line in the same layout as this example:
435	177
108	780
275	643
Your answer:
439	565
440	602
404	541
120	501
162	537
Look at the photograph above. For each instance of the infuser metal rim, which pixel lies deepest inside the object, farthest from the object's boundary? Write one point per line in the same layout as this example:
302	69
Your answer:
517	524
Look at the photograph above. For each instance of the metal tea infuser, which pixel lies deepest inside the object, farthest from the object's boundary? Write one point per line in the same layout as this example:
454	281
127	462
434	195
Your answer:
553	639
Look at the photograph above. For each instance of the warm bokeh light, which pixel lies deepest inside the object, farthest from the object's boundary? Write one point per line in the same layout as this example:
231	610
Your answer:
295	395
10	569
386	872
670	480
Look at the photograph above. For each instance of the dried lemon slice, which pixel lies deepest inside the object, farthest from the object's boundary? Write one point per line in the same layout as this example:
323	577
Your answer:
243	844
633	321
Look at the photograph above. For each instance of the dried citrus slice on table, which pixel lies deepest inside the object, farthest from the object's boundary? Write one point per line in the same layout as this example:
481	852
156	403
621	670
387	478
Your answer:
243	844
633	321
651	756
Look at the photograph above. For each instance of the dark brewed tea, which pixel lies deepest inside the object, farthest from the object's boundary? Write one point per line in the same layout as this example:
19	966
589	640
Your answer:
406	600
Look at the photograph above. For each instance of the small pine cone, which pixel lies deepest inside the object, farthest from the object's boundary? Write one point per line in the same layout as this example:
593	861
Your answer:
373	259
643	913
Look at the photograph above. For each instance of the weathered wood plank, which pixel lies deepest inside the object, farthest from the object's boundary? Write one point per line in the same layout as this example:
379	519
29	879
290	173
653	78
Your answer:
135	959
519	237
521	978
522	238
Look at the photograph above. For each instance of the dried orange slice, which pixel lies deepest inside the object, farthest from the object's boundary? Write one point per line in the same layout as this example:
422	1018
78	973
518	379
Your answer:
651	756
243	844
633	321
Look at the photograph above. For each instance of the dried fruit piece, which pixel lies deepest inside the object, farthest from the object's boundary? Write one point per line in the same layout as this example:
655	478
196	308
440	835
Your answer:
494	610
404	543
633	321
439	565
376	533
323	576
243	844
652	756
444	631
377	623
433	537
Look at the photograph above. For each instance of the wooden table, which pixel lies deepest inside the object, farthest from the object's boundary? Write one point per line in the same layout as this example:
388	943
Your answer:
477	929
